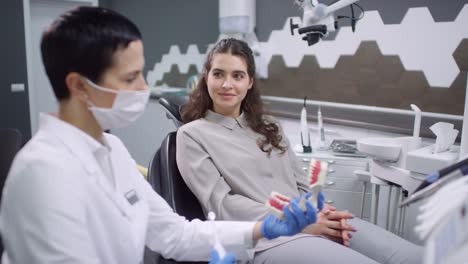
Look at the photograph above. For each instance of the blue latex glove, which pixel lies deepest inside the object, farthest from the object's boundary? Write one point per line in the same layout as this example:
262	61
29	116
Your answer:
228	259
295	220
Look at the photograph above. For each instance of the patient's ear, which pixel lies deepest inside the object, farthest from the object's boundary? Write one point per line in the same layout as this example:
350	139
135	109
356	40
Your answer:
251	82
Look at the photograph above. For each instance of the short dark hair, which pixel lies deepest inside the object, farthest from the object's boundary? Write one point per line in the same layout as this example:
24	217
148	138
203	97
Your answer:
84	40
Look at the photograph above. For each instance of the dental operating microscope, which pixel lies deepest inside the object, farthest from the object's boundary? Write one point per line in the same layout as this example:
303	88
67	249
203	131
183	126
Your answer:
319	19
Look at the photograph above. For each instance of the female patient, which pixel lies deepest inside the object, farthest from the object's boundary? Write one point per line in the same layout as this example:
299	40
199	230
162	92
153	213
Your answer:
232	157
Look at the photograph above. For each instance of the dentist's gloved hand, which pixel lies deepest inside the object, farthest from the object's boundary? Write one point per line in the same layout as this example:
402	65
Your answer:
295	220
228	259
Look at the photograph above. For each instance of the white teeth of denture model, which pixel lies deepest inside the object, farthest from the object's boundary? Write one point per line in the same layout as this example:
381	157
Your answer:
277	202
318	171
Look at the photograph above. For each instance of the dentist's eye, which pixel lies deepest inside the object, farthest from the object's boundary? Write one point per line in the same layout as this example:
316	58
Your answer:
130	80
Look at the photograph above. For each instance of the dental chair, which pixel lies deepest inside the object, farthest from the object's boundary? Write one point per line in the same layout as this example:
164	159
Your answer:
164	175
11	141
173	106
166	180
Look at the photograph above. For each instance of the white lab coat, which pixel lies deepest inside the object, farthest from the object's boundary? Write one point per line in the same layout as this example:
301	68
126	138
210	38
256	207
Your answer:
59	207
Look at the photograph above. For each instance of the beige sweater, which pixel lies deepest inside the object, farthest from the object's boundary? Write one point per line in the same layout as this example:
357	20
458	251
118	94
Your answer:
222	164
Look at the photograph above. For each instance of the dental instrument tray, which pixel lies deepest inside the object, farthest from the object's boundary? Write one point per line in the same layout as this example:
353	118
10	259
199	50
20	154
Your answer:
346	148
343	146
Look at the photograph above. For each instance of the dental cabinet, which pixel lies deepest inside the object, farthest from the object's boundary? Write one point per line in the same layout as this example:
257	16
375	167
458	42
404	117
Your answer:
342	188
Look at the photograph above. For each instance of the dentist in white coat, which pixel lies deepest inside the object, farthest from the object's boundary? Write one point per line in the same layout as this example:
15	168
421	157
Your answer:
73	194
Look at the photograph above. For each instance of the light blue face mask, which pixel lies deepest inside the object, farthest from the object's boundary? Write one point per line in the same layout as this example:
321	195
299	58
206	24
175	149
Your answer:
127	107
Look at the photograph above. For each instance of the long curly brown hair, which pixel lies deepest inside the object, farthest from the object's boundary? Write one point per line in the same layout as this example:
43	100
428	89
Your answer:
252	106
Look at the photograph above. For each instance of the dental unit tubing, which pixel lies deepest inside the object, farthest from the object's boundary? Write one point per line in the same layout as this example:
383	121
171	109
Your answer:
305	136
304	128
319	119
321	130
464	135
417	120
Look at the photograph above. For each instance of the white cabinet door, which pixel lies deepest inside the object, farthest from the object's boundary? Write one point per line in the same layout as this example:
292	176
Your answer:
349	201
342	188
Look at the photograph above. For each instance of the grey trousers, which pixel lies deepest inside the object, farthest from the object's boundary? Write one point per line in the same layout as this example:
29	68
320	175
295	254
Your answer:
370	244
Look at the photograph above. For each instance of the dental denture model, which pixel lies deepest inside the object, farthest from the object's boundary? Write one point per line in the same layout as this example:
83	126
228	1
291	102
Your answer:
318	171
276	203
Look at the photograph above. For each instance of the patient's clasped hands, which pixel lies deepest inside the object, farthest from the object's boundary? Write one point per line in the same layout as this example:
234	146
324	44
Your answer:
332	224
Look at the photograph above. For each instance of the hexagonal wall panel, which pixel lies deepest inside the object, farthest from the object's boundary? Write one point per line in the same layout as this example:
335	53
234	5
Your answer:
367	78
461	55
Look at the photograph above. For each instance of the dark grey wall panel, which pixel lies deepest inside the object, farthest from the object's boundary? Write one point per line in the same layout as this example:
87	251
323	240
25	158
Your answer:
271	15
14	107
174	22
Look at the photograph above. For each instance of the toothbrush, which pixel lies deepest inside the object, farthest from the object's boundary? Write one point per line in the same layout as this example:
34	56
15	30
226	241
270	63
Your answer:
216	243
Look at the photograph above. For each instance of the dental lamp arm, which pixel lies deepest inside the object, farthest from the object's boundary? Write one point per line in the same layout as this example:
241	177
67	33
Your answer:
338	5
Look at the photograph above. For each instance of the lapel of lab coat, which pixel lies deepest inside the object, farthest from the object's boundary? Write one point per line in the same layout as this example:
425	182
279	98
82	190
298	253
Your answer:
116	196
82	146
137	211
